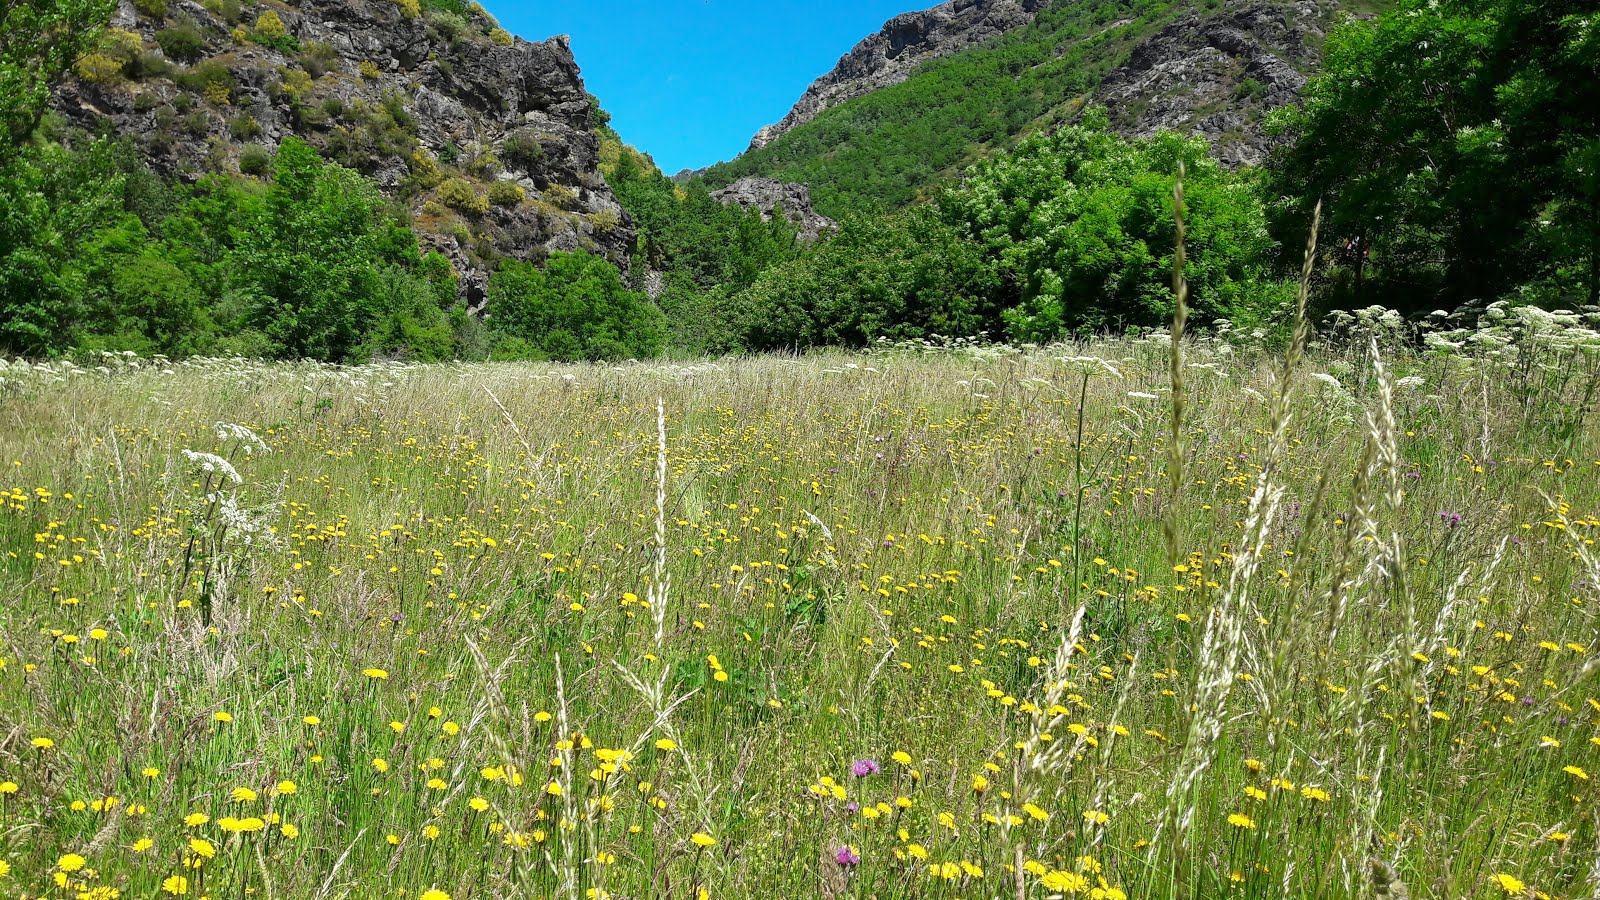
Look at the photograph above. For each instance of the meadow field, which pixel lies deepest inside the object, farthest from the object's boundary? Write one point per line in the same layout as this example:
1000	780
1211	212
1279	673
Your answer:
908	624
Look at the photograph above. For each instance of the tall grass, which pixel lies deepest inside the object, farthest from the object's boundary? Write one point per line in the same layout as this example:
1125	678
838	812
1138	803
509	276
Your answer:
898	625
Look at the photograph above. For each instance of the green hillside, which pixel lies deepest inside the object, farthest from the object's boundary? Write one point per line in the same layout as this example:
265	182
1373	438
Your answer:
893	146
898	144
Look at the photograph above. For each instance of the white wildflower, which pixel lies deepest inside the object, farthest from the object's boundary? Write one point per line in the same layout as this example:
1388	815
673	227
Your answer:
212	464
248	440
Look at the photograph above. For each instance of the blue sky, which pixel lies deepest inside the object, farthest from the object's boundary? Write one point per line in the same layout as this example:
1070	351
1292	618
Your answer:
690	81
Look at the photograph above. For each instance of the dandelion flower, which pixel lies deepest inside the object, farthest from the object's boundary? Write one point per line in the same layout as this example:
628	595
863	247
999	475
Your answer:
1240	820
177	885
1065	882
702	840
72	862
1510	884
1576	772
375	674
435	894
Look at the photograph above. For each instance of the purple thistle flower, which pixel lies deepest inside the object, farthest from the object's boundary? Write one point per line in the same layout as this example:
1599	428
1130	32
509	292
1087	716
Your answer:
1450	519
864	767
852	807
847	857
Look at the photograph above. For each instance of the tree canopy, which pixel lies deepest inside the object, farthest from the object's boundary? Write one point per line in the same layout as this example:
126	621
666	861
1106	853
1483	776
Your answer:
39	42
1460	139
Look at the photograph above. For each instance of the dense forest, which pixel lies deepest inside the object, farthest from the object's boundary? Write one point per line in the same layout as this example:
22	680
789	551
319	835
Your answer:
1455	145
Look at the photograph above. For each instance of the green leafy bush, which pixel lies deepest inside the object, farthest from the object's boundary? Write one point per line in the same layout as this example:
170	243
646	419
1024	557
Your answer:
506	193
909	276
574	309
523	151
270	31
1081	222
244	127
459	195
311	257
207	78
318	59
182	42
255	160
230	11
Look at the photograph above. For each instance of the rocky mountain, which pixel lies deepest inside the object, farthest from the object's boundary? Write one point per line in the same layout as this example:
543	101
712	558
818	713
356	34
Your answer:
766	196
910	107
904	43
1218	75
487	139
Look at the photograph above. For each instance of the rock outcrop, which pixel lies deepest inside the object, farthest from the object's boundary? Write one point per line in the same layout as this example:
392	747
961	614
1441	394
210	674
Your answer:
486	138
1218	76
905	42
792	200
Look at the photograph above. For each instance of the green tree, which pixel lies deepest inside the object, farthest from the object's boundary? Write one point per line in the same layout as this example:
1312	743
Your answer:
39	42
898	277
576	308
1460	139
55	202
683	229
138	298
1080	223
310	254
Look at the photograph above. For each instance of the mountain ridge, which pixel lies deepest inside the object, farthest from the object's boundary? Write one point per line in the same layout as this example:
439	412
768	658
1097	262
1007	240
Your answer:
891	54
865	138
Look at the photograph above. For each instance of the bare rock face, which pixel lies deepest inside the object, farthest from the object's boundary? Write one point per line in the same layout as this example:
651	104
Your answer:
793	201
426	105
906	42
1218	76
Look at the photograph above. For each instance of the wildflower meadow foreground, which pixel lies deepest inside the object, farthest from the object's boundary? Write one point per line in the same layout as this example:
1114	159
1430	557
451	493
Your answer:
938	623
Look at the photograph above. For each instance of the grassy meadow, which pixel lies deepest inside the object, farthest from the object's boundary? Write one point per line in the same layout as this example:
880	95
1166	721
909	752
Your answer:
894	625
